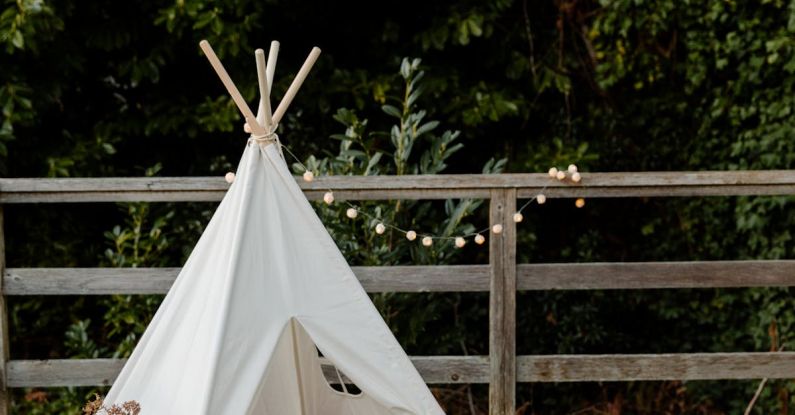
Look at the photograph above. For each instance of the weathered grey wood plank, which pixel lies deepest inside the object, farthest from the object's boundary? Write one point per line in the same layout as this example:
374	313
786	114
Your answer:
63	372
660	191
4	339
695	366
100	281
646	275
502	304
99	372
421	278
454	278
629	184
436	369
88	281
432	182
475	369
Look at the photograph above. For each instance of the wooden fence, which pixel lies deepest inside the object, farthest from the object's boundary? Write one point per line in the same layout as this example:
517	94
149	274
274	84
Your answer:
502	277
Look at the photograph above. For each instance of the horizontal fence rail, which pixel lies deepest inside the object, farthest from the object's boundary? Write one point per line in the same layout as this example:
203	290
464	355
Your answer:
439	278
192	189
475	369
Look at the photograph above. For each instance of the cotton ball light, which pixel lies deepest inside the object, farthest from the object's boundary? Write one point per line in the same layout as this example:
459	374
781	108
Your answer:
572	168
328	198
427	241
479	239
247	128
576	177
411	235
497	228
352	213
517	217
380	228
541	199
561	175
553	172
229	177
579	202
309	176
460	242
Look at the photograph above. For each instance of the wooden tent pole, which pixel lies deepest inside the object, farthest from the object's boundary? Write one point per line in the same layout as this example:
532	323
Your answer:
264	114
273	55
231	88
296	85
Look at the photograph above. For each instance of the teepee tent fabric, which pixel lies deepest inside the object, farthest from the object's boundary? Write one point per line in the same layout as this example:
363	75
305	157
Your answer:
264	289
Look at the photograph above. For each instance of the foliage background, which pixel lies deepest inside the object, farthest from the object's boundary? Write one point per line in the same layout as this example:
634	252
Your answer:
120	89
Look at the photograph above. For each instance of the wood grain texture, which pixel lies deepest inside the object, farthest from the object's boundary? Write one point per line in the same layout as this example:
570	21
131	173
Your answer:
436	369
629	184
101	281
89	281
502	304
646	275
63	372
102	372
695	366
4	340
475	369
441	278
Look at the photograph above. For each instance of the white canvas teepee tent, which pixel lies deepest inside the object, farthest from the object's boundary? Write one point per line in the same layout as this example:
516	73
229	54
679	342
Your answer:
264	289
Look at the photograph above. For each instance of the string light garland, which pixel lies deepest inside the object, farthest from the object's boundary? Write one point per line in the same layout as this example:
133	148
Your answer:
574	175
427	240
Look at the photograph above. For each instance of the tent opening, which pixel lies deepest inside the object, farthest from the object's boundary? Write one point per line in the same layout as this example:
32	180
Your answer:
336	379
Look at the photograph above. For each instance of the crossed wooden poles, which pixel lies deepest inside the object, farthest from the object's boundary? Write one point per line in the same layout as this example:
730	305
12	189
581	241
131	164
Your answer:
265	122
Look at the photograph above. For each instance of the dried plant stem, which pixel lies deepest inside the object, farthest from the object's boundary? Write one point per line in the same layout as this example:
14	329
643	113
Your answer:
756	396
758	392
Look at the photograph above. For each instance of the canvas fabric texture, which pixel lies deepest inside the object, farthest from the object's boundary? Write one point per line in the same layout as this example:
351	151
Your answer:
264	289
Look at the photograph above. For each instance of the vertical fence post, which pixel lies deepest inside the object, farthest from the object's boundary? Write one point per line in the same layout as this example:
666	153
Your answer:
502	304
4	399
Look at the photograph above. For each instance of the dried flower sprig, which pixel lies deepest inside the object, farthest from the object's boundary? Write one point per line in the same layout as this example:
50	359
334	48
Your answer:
98	407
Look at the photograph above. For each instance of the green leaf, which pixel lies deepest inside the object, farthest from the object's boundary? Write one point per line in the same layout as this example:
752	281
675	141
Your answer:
372	163
414	95
430	125
17	40
203	20
474	26
391	110
405	68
